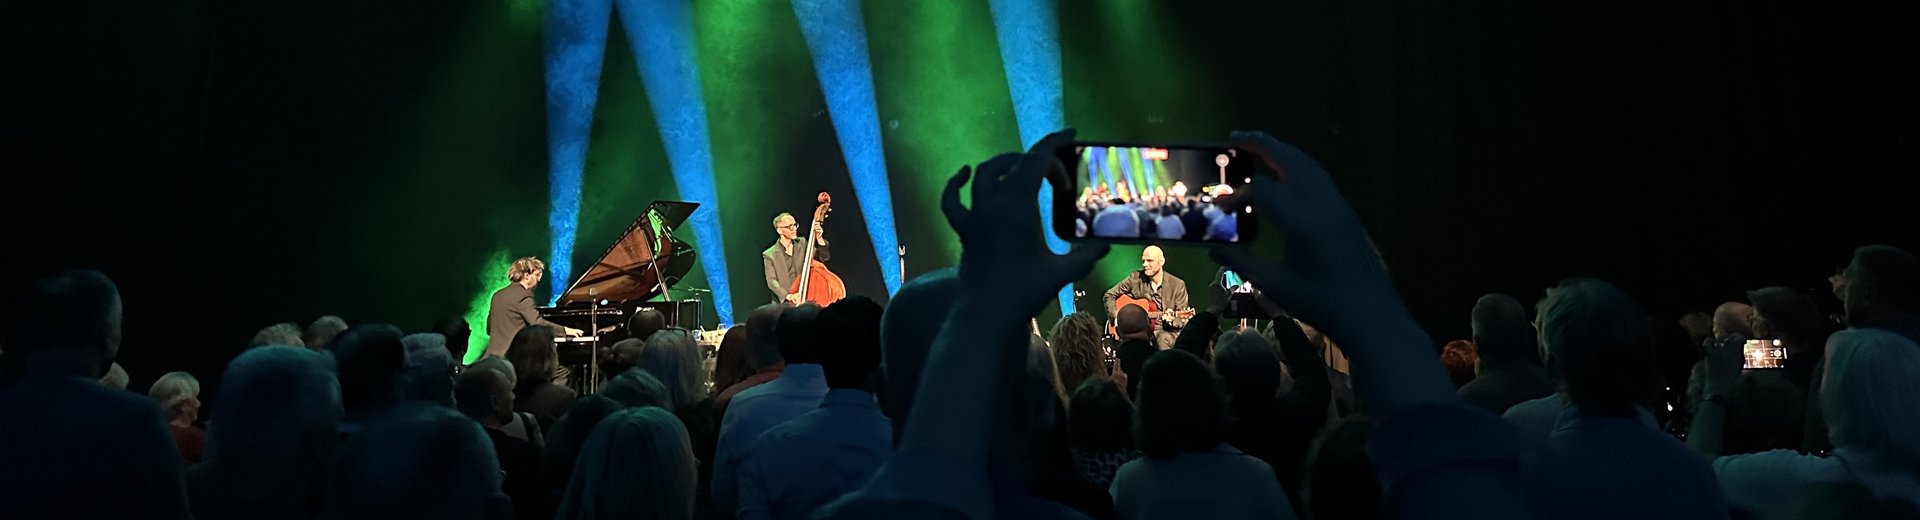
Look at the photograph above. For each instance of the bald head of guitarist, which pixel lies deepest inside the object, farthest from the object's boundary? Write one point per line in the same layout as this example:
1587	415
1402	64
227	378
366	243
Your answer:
1168	294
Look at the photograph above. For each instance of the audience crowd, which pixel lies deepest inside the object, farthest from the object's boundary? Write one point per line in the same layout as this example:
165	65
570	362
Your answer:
1160	214
944	403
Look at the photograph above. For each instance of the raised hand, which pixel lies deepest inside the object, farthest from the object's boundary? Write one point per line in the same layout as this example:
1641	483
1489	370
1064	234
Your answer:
1725	359
1003	251
1331	277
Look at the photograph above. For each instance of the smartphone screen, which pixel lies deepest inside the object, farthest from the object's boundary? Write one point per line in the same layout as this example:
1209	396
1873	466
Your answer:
1232	281
1765	353
1153	193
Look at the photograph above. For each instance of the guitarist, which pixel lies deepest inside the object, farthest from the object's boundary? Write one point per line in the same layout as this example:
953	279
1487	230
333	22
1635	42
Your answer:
782	262
1167	292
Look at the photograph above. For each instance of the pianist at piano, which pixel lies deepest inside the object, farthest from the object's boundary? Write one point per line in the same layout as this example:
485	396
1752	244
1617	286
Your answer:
512	308
629	291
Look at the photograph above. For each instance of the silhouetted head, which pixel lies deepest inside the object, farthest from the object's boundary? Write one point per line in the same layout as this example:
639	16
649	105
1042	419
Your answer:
645	322
459	337
1181	407
1340	481
731	364
849	337
1501	331
1249	367
1790	315
532	354
1599	347
1132	323
1883	282
623	355
73	316
763	344
1099	417
907	329
796	333
370	359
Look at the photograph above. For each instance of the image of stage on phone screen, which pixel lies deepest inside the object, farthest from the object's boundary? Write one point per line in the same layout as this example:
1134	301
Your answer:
1156	194
1762	354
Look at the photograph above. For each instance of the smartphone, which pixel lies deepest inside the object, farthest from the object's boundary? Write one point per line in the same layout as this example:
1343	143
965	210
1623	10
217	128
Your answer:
1233	282
1153	193
1765	353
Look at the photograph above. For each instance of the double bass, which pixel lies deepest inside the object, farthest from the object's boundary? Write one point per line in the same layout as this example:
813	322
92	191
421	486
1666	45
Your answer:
817	284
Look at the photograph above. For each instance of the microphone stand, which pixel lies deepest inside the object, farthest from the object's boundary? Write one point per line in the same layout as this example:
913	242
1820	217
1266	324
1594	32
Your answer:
593	348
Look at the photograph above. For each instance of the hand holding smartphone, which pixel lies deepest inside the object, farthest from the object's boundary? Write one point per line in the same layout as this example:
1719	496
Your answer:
1153	193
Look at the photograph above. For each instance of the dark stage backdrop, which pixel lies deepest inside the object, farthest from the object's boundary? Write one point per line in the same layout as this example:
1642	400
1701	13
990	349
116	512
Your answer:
235	164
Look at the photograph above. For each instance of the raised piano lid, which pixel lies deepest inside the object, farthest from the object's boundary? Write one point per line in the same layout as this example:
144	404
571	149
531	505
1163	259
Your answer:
622	273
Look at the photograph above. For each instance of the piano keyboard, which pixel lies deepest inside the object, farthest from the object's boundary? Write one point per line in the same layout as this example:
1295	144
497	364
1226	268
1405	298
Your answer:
710	338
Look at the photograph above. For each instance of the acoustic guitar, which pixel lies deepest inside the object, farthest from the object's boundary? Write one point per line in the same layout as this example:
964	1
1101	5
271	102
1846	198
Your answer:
1153	313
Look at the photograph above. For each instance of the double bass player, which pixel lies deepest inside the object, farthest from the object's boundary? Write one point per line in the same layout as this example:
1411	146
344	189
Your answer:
782	264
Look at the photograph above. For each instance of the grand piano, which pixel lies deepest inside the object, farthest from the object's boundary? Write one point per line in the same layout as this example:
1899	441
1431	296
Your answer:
637	271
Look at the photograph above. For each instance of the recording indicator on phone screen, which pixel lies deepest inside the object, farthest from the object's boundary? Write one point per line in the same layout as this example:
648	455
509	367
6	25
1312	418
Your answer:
1149	193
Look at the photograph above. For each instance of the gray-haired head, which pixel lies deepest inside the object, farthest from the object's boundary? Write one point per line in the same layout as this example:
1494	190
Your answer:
178	394
417	460
116	377
283	334
1870	397
672	357
429	371
496	364
275	417
638	463
321	331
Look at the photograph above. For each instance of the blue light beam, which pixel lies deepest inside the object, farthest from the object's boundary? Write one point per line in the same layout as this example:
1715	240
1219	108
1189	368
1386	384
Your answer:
661	32
1029	36
837	38
576	43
